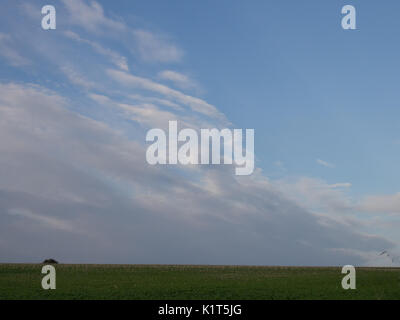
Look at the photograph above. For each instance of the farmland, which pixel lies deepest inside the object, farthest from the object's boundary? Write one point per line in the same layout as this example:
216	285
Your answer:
159	282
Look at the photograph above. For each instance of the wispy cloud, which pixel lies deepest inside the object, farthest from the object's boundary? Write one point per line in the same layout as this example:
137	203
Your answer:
117	59
325	163
149	46
46	221
90	15
180	80
152	47
196	104
155	100
9	52
146	113
318	195
341	185
76	78
381	204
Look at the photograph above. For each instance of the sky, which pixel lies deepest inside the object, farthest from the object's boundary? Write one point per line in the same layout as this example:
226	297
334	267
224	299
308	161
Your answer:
76	103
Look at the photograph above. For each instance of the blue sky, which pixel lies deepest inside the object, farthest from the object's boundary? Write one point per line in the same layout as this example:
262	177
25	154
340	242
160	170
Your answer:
323	102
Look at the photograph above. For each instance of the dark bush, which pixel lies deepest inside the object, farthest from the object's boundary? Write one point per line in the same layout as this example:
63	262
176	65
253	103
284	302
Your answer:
50	261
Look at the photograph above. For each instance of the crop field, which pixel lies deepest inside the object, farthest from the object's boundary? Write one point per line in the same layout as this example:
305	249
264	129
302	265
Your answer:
158	282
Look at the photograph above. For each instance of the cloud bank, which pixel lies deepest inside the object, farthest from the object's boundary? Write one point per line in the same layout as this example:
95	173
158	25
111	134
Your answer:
75	183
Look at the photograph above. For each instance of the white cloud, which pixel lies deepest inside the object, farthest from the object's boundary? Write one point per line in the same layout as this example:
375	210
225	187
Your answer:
155	100
149	46
10	53
90	15
76	78
99	98
381	204
47	221
179	79
317	195
196	104
152	47
116	58
341	185
146	113
325	163
64	168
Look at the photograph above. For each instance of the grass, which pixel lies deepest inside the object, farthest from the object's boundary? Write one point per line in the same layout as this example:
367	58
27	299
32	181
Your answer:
158	282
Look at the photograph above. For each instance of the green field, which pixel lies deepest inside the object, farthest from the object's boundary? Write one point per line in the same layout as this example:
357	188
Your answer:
23	281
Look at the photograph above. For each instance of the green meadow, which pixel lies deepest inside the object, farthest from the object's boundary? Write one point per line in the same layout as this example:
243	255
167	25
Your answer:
23	281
